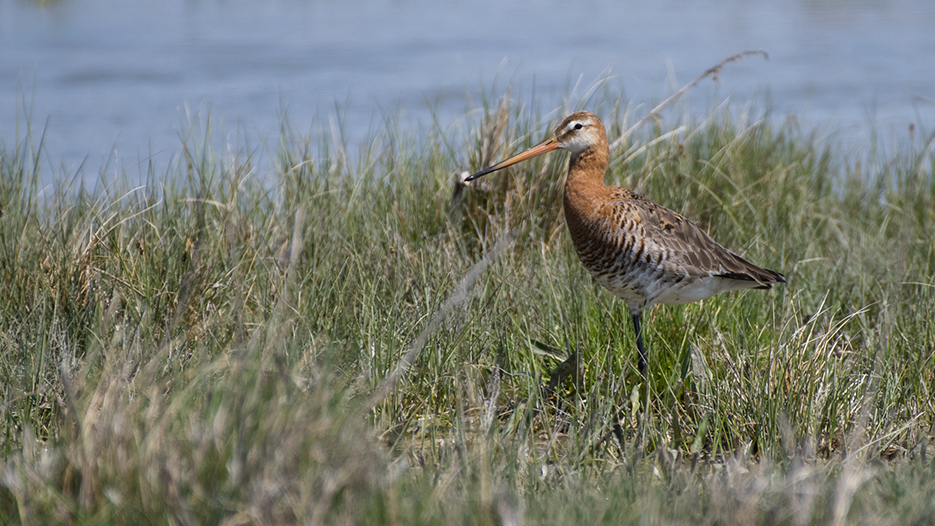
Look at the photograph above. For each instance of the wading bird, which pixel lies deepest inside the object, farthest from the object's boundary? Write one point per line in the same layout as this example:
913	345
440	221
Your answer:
641	252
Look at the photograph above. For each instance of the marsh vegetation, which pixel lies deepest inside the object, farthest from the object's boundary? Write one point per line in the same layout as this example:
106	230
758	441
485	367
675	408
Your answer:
358	338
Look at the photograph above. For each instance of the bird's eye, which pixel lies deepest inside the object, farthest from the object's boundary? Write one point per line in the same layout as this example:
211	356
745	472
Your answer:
578	125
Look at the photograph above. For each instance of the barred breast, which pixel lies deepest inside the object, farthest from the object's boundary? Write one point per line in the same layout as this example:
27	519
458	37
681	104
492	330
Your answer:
645	253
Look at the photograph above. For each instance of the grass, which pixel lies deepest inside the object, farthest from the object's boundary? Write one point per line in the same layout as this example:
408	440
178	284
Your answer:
356	338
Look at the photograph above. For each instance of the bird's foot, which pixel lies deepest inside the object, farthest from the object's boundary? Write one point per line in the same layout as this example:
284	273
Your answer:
572	366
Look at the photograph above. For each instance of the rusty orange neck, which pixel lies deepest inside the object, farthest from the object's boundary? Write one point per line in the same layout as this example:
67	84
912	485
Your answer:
585	189
585	181
588	167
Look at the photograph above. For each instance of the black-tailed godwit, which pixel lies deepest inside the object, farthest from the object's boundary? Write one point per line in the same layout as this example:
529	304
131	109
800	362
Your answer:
642	252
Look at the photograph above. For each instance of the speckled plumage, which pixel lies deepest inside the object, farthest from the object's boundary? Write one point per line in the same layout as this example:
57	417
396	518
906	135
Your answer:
641	252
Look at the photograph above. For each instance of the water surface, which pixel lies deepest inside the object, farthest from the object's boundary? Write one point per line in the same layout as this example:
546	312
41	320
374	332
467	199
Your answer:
121	79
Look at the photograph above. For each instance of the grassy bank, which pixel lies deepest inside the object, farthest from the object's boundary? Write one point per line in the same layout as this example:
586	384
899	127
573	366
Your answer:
356	338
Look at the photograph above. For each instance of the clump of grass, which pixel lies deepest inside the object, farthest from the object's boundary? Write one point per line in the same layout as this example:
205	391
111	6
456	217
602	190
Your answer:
222	345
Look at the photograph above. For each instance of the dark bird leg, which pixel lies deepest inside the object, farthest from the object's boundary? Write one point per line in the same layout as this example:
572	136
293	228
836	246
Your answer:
646	417
639	343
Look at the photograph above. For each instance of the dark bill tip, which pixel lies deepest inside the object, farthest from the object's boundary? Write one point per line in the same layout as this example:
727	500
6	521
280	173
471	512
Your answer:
482	173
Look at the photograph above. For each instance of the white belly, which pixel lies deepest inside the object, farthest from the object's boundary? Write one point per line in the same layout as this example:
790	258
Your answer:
641	293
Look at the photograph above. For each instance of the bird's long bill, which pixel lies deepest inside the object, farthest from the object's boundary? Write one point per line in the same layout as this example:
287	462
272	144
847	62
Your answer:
543	147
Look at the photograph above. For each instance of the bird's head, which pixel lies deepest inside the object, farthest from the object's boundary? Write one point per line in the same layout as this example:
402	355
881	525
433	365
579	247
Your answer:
577	132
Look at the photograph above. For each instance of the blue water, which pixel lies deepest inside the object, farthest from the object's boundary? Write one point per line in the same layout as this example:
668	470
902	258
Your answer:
122	79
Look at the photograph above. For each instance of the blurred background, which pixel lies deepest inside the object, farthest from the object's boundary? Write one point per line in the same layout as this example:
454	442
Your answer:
117	83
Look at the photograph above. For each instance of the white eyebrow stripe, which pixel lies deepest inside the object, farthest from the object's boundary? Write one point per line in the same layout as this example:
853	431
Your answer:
571	125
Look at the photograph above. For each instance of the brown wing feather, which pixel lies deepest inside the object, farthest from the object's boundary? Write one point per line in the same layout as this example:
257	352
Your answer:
684	246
